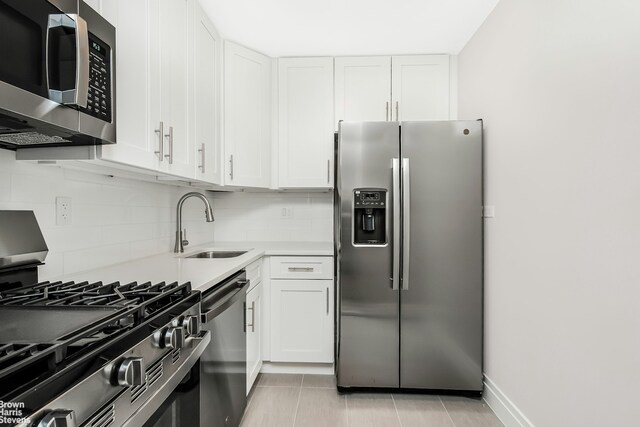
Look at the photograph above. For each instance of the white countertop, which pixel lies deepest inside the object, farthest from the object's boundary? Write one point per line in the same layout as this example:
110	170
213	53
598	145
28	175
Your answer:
201	272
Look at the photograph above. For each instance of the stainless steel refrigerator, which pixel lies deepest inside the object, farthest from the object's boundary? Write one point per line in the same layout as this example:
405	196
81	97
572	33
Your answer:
409	255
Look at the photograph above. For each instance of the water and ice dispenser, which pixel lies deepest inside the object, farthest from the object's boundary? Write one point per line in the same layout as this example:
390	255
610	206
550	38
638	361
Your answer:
369	216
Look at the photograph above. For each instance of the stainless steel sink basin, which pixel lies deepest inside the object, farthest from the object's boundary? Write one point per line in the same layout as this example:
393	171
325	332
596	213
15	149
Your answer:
217	254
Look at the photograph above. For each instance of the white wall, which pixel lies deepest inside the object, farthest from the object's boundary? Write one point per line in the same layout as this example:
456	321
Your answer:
558	85
113	220
258	217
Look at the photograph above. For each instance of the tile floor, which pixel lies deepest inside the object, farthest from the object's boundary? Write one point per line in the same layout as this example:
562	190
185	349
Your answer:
312	400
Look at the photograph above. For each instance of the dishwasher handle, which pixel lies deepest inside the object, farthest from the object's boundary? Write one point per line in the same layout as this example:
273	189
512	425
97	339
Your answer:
223	298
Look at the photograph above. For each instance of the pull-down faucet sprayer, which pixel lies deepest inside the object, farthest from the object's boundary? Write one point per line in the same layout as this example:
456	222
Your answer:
181	235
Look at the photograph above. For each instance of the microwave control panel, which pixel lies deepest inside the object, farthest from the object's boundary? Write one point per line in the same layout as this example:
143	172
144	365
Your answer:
99	98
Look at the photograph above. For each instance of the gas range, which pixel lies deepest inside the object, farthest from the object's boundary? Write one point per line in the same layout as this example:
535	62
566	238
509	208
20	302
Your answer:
95	354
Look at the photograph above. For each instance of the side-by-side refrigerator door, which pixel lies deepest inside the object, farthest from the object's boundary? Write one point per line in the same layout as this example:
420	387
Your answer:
368	169
441	292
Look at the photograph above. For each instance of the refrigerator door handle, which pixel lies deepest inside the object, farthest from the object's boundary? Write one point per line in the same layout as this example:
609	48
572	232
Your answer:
395	280
406	222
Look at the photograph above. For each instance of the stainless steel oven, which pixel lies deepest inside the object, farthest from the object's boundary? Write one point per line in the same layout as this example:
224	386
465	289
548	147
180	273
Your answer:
182	407
57	74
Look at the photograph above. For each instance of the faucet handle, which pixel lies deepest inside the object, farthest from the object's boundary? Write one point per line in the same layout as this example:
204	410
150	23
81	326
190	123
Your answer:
185	242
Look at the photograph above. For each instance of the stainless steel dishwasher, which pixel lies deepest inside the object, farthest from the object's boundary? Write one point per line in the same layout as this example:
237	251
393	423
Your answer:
223	373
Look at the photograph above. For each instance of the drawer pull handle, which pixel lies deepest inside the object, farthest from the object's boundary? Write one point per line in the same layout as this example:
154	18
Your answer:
301	269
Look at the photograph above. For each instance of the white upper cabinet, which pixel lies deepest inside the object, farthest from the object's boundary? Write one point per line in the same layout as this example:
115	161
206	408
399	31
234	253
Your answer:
420	87
247	130
173	99
305	89
206	77
363	89
137	143
378	88
152	81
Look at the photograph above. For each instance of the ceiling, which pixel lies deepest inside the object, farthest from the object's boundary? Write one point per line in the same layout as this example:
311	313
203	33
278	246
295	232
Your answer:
349	27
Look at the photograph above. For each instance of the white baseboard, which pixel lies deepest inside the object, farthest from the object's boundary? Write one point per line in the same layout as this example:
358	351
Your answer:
504	408
297	368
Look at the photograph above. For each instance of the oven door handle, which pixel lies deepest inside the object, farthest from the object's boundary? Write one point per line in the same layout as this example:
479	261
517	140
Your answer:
154	402
224	298
80	93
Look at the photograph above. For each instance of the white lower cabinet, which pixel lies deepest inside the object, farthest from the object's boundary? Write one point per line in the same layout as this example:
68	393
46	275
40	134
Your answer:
302	321
254	334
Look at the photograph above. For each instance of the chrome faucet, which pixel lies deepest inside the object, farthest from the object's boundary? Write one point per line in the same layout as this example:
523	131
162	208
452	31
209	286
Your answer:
181	236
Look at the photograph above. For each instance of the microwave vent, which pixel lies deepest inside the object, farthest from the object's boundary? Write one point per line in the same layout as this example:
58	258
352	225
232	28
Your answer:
31	138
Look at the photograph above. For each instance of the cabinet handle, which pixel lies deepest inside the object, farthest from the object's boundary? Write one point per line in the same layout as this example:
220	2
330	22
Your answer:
327	300
301	269
397	114
160	133
253	316
328	171
170	155
231	167
386	113
201	151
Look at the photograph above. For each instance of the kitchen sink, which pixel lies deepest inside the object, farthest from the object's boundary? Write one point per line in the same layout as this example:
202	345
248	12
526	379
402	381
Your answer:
217	254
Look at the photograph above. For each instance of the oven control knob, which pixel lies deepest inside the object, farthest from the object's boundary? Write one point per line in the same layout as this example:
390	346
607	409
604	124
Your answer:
59	418
131	372
191	325
174	338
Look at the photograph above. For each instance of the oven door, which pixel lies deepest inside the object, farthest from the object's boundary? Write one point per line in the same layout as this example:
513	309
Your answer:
182	407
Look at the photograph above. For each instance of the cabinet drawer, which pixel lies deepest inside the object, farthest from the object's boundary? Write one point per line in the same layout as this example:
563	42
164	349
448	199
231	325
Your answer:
254	273
298	267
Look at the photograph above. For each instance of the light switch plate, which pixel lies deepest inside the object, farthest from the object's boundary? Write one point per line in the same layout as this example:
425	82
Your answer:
63	210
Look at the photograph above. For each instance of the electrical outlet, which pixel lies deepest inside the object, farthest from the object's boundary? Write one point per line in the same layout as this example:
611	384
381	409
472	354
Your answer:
63	210
287	213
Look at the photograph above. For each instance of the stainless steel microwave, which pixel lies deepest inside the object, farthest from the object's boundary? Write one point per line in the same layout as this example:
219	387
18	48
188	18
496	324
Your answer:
57	74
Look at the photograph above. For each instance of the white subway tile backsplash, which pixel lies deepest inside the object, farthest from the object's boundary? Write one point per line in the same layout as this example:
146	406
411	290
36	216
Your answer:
87	259
84	215
258	216
38	188
5	187
126	233
143	248
63	239
113	219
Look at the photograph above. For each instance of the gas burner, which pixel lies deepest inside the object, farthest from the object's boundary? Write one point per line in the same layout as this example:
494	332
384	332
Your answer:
53	333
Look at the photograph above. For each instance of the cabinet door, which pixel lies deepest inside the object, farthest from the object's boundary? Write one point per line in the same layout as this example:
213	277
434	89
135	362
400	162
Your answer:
254	334
363	89
136	24
174	78
302	321
305	122
420	87
206	51
247	131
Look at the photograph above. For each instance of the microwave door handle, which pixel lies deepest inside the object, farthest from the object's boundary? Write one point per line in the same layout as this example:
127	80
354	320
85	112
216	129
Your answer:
79	94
